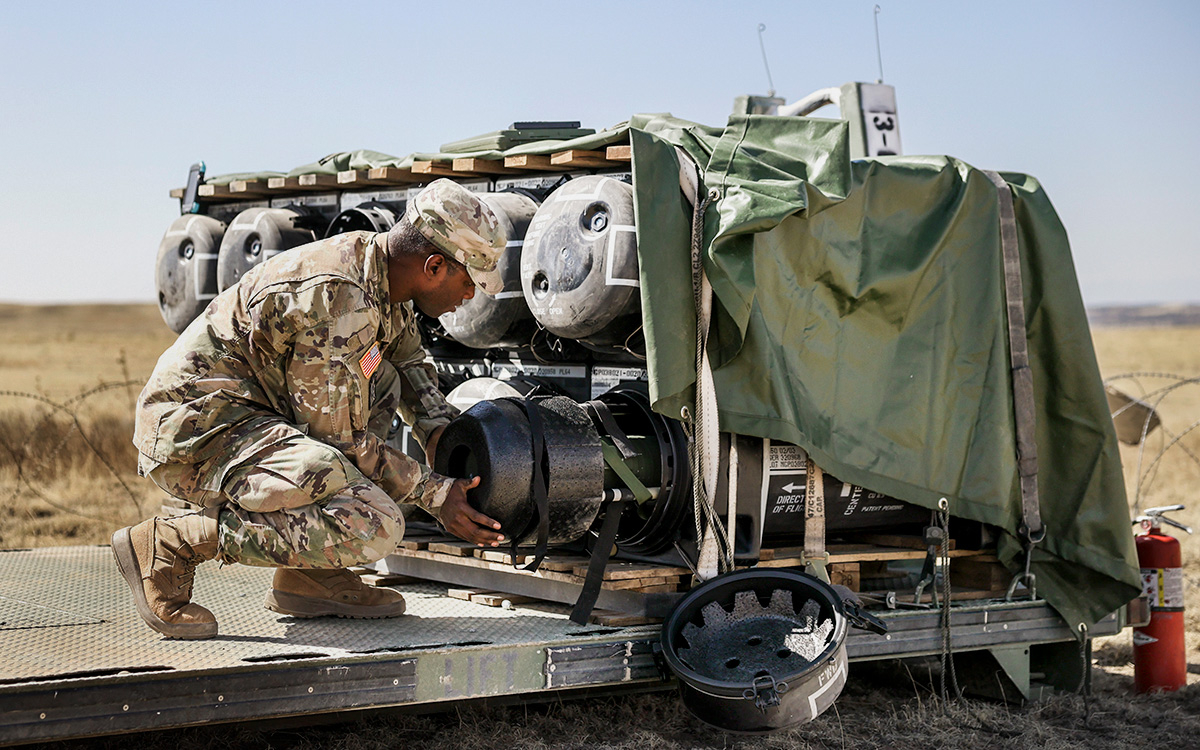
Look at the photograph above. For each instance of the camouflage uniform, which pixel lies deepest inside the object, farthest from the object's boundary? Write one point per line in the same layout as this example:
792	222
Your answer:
275	404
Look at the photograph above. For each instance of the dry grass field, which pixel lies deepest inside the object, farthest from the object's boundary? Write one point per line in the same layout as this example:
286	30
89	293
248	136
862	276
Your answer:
68	377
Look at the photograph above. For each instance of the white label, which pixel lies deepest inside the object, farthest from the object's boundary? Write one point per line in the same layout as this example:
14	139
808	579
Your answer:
1141	639
307	199
620	176
605	378
538	182
350	200
475	186
1163	587
471	369
881	124
226	211
511	369
787	458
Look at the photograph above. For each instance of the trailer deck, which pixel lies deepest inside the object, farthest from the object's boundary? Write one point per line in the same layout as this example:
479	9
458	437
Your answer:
78	661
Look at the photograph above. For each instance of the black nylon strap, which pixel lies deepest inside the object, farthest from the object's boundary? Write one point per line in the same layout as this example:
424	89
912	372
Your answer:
600	412
595	573
538	487
1022	376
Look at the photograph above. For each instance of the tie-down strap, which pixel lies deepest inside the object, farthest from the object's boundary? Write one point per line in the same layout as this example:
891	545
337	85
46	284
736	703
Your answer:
1022	376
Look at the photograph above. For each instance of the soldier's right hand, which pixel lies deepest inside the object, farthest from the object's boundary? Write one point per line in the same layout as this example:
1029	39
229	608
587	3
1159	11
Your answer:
466	523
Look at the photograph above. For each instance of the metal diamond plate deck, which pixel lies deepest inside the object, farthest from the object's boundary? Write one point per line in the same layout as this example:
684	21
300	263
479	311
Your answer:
67	612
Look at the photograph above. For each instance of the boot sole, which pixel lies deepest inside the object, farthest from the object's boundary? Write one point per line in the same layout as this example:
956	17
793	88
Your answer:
304	607
122	549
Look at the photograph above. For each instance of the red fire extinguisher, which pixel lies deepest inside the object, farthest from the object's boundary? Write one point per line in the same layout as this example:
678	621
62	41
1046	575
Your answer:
1159	655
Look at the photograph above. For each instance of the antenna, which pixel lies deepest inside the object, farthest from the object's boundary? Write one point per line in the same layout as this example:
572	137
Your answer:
878	51
770	83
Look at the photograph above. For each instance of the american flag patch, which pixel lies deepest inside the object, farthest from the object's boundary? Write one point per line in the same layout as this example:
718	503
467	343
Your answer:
370	361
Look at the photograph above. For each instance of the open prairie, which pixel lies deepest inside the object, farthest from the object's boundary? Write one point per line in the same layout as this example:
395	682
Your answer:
68	379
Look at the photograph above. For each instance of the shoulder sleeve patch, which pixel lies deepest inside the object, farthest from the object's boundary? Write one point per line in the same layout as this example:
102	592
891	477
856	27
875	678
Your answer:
370	361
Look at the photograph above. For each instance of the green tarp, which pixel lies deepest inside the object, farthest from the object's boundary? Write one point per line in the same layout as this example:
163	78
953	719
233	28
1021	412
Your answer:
859	313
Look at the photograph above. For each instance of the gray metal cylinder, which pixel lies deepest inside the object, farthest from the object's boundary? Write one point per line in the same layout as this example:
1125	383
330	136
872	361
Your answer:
185	272
256	235
579	268
487	322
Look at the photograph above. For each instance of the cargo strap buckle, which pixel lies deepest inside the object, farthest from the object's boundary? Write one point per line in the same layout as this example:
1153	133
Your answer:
765	692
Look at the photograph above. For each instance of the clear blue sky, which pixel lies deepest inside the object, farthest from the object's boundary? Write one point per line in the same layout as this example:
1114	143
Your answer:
106	104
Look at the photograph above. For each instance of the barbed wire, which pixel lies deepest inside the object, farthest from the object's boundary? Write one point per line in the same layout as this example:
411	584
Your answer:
1153	398
27	463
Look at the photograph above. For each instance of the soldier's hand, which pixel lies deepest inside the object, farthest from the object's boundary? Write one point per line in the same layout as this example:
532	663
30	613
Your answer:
466	523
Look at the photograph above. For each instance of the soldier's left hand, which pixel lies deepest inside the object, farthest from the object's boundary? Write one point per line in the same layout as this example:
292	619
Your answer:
466	523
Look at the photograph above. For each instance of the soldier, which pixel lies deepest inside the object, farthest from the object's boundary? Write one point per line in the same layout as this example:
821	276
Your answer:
272	409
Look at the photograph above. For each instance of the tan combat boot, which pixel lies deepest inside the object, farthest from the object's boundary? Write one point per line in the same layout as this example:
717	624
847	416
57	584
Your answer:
158	559
331	591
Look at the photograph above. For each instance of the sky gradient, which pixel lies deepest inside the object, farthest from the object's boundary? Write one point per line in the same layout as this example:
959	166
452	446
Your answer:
105	107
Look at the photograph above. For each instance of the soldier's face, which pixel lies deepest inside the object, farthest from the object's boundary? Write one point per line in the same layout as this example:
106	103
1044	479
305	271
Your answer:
450	285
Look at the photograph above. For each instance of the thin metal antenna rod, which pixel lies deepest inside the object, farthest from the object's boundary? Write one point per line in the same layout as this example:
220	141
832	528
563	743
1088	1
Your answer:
770	83
878	51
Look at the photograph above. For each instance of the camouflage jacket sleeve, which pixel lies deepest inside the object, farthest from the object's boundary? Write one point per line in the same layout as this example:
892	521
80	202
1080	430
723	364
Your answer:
422	405
329	383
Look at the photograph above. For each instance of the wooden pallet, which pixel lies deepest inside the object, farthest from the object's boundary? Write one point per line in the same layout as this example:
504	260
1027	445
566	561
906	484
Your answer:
975	574
610	157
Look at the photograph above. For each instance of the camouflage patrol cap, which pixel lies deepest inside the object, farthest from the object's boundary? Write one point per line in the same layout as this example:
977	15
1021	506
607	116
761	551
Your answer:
462	227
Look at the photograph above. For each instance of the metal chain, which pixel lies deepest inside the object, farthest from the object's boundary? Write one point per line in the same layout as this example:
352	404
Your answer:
943	513
702	505
1085	689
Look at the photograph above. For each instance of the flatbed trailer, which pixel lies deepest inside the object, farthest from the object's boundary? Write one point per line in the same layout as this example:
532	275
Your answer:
77	660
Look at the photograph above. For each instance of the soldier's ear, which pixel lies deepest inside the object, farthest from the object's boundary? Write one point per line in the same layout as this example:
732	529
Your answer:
433	264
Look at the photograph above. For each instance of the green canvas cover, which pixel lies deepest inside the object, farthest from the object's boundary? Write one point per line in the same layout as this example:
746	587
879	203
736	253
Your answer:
859	312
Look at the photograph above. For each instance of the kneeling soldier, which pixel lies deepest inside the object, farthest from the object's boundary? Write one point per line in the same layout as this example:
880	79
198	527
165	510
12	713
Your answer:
272	409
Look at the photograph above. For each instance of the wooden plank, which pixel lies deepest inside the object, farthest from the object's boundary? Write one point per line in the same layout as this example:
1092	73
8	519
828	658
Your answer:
213	191
465	594
458	549
435	169
845	574
354	177
391	176
896	540
575	159
482	166
475	562
318	180
619	153
413	544
248	188
303	182
663	589
539	162
621	570
839	553
501	556
638	583
497	599
562	563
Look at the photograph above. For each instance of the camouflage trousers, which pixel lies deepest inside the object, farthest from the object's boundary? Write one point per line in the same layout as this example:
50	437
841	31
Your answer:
288	500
